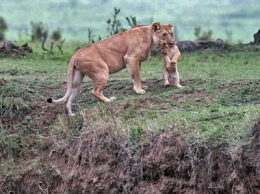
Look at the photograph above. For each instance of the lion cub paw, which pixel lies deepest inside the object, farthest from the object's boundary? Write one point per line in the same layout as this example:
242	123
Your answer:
166	84
179	86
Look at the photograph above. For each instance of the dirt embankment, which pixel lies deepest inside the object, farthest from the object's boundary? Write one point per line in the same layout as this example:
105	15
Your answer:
104	162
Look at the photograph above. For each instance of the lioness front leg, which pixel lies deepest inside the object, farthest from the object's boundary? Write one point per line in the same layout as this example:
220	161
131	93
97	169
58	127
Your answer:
134	71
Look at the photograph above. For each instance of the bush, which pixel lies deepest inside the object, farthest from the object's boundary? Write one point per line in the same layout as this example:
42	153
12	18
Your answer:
3	28
38	31
114	25
131	21
56	35
204	36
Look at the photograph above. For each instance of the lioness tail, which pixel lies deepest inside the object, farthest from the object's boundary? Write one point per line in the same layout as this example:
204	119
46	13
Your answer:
69	84
49	100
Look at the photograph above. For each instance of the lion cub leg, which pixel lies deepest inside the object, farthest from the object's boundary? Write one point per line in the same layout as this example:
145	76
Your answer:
165	76
99	84
174	76
175	79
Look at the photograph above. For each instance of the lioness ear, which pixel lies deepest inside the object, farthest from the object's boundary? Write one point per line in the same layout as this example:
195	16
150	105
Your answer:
171	26
156	26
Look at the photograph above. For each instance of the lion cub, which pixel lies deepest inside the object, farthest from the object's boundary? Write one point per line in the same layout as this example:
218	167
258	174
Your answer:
170	73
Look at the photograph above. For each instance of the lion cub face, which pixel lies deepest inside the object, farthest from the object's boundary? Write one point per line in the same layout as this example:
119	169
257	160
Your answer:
164	48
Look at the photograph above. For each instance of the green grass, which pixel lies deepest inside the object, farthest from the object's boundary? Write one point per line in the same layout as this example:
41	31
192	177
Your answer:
219	104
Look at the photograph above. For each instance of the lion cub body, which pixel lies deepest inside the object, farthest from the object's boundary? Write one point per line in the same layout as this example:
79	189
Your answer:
170	72
98	60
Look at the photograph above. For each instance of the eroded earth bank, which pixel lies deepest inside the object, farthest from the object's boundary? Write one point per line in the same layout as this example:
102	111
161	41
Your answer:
102	161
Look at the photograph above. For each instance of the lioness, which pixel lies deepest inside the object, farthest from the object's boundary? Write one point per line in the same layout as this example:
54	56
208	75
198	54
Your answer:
170	73
98	60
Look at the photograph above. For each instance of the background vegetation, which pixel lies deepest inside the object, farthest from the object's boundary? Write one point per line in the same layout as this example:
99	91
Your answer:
228	19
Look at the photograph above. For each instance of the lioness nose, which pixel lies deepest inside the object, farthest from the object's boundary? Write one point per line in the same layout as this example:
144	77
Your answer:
171	43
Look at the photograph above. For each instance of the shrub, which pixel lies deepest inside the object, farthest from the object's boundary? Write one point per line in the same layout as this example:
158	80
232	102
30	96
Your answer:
204	36
114	25
56	35
3	28
131	21
38	31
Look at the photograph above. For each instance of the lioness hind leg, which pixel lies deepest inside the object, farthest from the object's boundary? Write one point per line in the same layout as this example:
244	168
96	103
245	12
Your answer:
99	85
77	79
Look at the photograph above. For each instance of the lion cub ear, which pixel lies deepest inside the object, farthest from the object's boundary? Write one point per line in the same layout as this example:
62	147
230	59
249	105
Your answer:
156	26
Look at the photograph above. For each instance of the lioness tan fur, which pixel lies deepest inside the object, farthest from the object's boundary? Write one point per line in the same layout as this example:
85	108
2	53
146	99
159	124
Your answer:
98	60
170	73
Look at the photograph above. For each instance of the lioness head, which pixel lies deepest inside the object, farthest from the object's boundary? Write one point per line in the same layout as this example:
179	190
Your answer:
162	36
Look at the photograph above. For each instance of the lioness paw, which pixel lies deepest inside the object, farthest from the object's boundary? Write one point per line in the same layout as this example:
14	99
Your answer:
140	91
111	99
144	87
71	114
